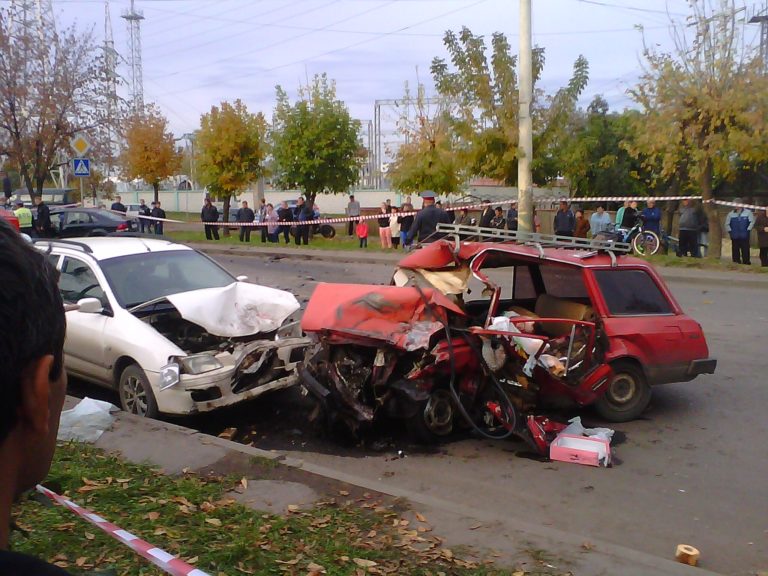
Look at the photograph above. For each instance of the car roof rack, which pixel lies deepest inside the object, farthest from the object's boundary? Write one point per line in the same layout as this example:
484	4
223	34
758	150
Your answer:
540	241
65	243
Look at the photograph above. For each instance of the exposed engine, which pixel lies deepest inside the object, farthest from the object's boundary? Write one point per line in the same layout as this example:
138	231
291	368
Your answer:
185	334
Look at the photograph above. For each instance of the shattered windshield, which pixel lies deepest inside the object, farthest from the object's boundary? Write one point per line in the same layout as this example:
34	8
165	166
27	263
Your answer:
139	278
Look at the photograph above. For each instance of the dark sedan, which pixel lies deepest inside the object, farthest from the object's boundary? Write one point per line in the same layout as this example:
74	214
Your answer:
79	222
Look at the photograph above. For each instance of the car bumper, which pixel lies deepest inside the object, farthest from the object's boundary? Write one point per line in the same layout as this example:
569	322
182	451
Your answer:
241	378
703	366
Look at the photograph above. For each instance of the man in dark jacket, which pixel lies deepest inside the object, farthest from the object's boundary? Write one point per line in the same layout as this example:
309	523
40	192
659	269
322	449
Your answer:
158	212
210	213
43	225
245	214
512	217
284	214
118	206
302	213
426	221
7	186
145	225
652	217
629	217
487	215
689	225
565	221
739	224
33	383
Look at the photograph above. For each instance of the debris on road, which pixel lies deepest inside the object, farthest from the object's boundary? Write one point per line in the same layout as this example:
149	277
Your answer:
686	554
87	421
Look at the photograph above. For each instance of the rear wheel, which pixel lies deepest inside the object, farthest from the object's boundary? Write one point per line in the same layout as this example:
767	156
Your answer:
646	243
628	394
136	394
327	231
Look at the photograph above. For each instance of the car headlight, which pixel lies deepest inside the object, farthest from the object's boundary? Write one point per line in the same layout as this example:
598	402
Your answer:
199	364
169	375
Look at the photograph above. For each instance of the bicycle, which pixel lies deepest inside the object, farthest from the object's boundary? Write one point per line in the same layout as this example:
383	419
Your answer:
644	242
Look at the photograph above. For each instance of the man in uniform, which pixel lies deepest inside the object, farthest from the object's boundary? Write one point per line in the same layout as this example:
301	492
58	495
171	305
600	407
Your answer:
24	215
426	221
118	206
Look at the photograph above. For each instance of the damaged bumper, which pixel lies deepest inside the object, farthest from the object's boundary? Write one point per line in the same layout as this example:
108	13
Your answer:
703	366
248	372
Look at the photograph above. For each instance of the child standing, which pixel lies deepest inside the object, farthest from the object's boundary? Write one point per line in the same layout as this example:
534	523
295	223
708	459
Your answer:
362	233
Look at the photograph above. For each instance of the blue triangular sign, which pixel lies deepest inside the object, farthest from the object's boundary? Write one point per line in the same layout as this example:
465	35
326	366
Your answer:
82	168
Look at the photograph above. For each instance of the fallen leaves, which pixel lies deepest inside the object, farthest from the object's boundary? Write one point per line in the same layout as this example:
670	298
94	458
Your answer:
213	521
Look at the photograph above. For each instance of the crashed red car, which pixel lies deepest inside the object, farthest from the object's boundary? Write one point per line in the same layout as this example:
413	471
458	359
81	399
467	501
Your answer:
10	217
484	334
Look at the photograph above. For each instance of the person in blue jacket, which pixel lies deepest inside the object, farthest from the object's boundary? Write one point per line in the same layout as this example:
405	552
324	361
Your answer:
651	217
739	224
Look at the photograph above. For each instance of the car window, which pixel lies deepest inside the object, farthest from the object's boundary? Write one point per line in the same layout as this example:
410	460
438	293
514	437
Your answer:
105	215
139	278
78	281
53	259
76	218
563	281
524	289
631	293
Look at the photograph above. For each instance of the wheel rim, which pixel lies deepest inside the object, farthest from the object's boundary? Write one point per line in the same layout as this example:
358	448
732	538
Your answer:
134	396
438	413
623	389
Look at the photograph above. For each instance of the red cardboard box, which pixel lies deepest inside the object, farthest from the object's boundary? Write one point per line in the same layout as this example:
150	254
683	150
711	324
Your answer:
580	450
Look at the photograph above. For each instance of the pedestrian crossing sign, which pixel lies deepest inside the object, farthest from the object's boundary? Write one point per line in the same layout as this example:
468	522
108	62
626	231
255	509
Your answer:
82	167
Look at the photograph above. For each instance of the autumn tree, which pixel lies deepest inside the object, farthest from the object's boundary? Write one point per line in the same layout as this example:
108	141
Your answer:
704	105
485	102
231	146
51	87
428	160
315	143
150	151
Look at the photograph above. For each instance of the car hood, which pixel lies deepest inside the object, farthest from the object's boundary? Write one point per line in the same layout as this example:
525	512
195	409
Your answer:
240	309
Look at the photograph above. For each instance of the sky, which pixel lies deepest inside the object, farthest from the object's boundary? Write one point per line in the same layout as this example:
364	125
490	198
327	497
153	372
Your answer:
198	53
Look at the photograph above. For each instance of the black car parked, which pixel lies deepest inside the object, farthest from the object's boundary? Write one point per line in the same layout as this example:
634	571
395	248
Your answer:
79	222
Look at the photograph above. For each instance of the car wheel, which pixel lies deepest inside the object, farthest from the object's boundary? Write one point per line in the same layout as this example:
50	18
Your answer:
136	394
433	418
627	396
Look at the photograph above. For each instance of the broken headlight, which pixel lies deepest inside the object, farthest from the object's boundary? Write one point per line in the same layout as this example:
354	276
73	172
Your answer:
199	364
169	375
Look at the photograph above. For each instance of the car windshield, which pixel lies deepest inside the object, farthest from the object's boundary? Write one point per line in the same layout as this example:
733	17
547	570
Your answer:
139	278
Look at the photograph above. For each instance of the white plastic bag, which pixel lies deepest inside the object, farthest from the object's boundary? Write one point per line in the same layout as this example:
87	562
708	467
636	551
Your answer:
576	428
87	421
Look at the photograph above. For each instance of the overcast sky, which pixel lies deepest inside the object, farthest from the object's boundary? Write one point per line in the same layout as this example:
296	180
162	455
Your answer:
197	53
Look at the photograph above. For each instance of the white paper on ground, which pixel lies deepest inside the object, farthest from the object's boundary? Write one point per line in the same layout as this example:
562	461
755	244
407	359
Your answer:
87	421
576	428
240	309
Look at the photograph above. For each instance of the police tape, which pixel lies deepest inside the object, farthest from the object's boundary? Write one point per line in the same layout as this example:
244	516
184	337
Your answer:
159	557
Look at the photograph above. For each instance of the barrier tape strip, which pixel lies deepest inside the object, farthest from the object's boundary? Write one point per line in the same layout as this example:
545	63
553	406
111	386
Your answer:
479	206
159	557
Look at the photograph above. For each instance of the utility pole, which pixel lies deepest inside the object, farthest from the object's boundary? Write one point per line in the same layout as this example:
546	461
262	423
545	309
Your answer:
525	145
762	19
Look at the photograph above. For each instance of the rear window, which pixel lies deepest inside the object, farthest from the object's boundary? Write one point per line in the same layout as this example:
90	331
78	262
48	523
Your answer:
631	293
563	281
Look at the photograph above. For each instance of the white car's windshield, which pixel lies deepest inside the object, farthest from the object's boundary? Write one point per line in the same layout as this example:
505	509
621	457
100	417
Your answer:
139	278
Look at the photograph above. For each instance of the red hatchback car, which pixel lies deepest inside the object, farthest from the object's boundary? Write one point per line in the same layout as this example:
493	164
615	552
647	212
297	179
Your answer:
540	323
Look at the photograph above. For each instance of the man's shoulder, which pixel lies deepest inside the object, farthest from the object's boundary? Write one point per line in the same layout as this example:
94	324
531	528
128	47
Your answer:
15	564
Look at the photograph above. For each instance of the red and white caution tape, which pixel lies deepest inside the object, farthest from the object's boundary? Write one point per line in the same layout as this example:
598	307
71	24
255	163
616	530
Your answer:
159	557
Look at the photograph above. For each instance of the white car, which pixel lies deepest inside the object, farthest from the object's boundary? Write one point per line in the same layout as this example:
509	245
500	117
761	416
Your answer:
168	328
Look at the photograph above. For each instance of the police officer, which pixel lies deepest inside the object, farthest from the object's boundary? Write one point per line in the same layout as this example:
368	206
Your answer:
426	221
24	215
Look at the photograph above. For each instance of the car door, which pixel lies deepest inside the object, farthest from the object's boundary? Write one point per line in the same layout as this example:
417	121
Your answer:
84	349
76	224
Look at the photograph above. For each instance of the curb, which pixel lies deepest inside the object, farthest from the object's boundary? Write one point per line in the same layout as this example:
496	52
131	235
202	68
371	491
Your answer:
350	257
632	561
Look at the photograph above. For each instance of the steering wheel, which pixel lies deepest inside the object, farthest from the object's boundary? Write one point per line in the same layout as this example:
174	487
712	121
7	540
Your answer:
84	291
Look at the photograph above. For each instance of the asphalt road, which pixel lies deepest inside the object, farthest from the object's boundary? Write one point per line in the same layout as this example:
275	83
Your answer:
692	471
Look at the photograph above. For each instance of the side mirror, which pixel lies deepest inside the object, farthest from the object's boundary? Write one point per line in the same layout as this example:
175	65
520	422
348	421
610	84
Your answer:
90	306
242	278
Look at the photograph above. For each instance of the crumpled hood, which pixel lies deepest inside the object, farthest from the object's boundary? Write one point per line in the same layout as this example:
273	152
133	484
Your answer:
240	309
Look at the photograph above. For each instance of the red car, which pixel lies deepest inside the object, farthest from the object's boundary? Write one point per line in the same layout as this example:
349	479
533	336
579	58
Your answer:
10	217
470	325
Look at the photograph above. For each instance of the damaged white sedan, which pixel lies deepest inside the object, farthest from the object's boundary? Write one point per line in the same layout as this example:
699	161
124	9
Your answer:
168	328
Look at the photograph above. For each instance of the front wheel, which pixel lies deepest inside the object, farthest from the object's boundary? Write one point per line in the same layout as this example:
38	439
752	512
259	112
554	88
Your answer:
646	243
136	394
433	418
628	394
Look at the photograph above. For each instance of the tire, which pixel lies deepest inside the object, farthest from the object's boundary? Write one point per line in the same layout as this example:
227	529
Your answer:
646	243
136	396
433	419
627	396
327	231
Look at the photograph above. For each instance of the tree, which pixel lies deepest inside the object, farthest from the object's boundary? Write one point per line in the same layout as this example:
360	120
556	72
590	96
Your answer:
315	143
231	146
704	105
428	160
594	158
51	87
150	151
486	101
